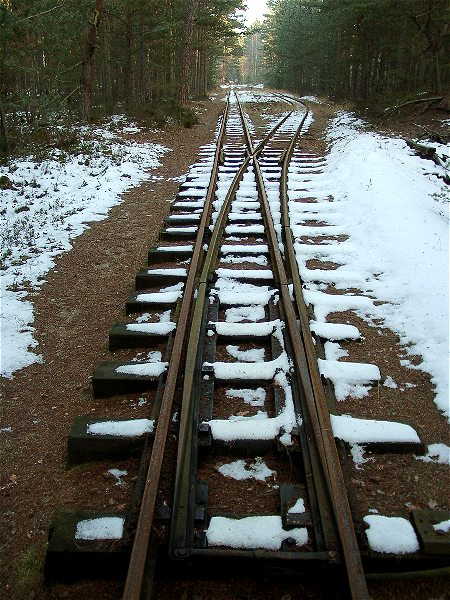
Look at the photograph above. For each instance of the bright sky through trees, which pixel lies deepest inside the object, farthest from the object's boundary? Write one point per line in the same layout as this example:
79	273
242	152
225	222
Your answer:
255	10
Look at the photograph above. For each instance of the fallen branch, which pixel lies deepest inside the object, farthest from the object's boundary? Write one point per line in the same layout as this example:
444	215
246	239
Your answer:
71	94
430	153
409	102
434	136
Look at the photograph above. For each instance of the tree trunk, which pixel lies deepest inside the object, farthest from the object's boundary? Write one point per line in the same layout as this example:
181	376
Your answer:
127	80
86	75
3	133
183	91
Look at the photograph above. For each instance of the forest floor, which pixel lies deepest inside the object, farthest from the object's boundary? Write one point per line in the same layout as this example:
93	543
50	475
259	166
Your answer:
83	295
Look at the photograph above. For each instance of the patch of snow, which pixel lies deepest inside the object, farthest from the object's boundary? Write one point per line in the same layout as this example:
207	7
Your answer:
247	329
148	369
357	452
244	313
312	99
254	397
442	527
51	202
118	474
253	355
299	507
129	428
393	535
334	351
384	192
260	426
239	470
230	291
364	431
349	379
437	453
252	532
263	371
152	328
324	304
390	383
335	331
103	528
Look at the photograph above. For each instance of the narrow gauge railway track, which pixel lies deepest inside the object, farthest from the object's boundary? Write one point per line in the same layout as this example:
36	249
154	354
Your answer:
221	298
300	415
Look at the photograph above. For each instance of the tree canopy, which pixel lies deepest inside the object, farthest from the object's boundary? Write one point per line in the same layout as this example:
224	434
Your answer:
358	49
86	54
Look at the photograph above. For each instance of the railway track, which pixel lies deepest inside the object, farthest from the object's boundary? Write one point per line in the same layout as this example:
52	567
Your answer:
239	464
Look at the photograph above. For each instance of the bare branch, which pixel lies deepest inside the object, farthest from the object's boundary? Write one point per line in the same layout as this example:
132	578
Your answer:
43	13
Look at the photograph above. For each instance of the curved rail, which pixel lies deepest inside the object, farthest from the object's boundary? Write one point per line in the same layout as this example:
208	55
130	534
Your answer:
136	571
327	472
305	364
186	448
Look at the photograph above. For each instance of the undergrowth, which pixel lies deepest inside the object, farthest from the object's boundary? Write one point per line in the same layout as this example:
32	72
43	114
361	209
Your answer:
39	132
26	572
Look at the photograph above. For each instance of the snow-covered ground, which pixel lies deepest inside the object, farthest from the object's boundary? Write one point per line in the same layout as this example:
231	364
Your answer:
394	207
50	203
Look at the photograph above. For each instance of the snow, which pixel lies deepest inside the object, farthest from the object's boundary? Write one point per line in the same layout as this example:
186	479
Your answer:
103	528
246	329
152	328
244	229
390	383
252	356
259	370
255	371
160	297
442	527
147	369
51	203
364	431
252	397
437	453
260	426
324	304
241	249
394	207
239	470
312	99
393	535
185	248
257	260
118	474
357	453
252	532
244	313
175	272
349	379
245	273
299	507
129	428
232	292
335	331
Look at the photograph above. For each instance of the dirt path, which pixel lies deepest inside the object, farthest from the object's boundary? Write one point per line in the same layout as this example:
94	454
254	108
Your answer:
83	296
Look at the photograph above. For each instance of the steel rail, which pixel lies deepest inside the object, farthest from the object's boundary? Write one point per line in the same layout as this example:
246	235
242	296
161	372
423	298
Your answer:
140	549
178	532
178	536
342	510
305	364
252	150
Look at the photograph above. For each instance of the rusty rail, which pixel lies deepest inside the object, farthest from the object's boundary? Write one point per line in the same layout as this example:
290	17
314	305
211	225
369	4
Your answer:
136	571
